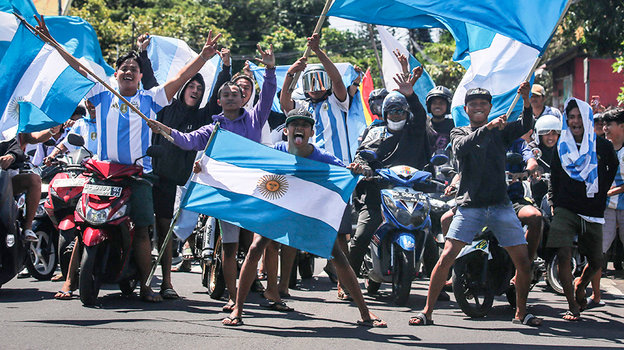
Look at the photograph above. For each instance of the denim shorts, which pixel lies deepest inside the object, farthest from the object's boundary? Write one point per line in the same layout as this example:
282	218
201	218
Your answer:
500	219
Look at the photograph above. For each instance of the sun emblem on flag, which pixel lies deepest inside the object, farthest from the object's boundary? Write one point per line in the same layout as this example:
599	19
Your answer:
273	186
13	109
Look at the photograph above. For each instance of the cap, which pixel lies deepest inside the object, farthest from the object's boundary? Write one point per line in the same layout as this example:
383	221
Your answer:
475	93
538	90
300	113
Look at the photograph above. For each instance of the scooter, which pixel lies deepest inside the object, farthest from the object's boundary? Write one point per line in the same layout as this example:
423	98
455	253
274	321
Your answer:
106	229
397	246
13	250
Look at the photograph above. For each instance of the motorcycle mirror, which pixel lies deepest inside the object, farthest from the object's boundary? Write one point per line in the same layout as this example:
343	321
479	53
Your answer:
50	143
75	140
439	159
514	158
537	153
155	151
368	155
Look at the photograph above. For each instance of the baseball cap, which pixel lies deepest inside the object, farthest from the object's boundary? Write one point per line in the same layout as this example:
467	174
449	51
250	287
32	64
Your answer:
476	93
537	89
300	113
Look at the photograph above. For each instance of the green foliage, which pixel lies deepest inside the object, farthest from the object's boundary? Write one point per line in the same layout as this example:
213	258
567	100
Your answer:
618	67
437	60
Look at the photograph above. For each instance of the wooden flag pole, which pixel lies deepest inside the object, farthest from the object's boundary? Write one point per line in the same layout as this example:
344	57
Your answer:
535	64
108	87
317	30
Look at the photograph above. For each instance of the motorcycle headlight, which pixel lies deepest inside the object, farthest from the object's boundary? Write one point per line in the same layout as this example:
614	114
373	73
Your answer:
97	217
400	214
121	212
420	211
79	208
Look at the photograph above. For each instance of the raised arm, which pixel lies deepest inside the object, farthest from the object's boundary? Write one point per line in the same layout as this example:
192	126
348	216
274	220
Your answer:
148	79
269	87
338	86
406	87
224	76
286	101
210	49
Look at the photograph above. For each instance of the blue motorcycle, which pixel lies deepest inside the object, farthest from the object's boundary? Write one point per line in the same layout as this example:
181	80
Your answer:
397	246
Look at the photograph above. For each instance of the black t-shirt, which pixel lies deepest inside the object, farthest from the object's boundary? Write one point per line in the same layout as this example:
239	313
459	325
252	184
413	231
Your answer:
440	133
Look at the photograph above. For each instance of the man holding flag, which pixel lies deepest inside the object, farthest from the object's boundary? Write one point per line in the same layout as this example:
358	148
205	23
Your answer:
124	137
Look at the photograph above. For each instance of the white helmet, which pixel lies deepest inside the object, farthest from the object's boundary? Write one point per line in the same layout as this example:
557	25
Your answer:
547	123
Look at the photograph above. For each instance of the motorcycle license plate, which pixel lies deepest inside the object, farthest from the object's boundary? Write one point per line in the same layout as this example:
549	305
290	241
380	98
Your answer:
102	190
77	182
403	196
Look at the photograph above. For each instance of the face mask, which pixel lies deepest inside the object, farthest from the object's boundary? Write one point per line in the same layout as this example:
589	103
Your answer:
396	125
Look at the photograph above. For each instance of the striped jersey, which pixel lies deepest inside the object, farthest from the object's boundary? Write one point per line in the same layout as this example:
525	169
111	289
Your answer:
85	127
330	128
617	201
123	135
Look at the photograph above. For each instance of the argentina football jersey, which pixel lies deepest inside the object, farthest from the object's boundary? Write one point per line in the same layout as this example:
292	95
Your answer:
123	135
87	128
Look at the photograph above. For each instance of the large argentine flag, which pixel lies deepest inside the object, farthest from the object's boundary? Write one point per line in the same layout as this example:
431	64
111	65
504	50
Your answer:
356	118
38	89
170	55
8	21
291	200
391	66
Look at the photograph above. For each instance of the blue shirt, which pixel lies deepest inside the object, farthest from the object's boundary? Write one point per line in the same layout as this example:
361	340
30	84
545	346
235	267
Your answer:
617	201
85	127
318	154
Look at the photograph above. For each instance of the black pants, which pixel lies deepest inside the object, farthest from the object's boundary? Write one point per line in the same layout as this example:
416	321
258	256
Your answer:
367	202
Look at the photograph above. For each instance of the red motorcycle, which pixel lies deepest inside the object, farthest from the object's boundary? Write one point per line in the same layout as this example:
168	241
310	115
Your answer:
107	230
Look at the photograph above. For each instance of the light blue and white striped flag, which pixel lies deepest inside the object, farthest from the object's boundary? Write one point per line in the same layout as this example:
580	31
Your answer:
391	66
38	89
581	164
170	55
291	200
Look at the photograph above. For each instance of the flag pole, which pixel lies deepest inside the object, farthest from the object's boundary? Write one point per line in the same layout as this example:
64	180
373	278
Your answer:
306	53
372	38
161	251
108	87
535	64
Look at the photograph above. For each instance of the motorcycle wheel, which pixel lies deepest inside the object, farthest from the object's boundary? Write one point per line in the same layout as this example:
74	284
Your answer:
128	286
511	296
213	274
552	274
91	273
67	242
403	276
306	265
474	302
42	257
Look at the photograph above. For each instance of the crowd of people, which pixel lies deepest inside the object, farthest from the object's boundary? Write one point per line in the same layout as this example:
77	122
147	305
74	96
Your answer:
585	191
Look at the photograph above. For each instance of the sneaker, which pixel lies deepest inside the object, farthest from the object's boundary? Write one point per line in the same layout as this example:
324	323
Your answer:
30	236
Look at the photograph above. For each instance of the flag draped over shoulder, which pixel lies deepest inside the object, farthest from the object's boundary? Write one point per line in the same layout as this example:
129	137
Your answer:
391	66
291	200
170	55
38	89
497	41
356	118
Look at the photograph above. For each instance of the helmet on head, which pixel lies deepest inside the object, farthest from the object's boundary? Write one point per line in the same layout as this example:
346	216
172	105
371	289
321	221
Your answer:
315	78
375	100
395	100
546	124
442	92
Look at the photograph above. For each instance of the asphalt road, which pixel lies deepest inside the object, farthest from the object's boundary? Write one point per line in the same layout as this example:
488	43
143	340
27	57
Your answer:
31	319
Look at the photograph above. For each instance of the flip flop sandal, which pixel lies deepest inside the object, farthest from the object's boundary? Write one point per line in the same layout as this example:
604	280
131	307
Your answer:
591	304
529	320
64	295
373	323
576	316
277	306
229	307
169	293
342	295
232	321
151	297
424	321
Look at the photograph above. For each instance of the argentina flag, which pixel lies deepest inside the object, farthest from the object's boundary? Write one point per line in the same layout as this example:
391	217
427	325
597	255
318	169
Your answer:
291	200
38	88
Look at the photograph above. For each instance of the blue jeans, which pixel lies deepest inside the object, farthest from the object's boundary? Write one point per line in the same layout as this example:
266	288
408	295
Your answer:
500	219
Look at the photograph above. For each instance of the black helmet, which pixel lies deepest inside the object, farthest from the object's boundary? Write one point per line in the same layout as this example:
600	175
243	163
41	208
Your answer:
375	100
394	100
440	91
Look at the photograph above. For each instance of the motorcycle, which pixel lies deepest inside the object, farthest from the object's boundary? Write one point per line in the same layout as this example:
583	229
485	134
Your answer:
397	246
106	229
64	191
208	248
13	251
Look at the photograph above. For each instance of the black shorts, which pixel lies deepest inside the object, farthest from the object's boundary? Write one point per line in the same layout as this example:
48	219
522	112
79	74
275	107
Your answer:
521	203
164	198
345	225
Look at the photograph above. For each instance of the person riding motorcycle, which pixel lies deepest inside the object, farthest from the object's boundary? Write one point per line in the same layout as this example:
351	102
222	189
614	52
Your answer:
439	127
547	131
399	139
